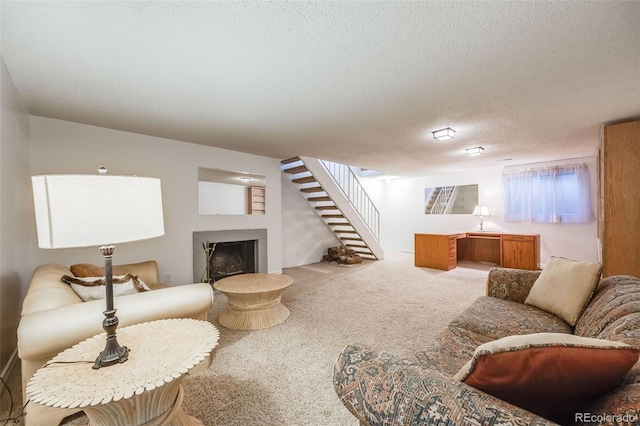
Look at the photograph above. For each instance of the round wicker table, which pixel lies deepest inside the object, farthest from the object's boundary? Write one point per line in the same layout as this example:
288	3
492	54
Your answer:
254	300
144	390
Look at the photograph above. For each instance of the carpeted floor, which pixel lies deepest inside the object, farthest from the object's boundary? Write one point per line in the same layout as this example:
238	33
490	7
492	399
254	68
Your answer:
282	375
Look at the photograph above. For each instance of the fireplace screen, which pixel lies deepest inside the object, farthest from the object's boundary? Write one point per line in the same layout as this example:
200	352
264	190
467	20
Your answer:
230	258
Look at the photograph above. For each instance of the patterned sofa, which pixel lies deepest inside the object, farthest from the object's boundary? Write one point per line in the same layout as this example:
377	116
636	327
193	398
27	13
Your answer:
381	388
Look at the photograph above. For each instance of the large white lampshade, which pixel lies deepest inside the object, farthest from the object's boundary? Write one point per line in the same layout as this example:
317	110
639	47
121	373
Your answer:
93	210
98	210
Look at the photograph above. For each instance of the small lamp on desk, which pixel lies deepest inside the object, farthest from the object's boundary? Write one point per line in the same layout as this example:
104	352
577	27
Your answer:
481	211
110	210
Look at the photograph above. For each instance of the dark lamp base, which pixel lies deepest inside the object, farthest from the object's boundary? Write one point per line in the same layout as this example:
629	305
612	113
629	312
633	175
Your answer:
113	353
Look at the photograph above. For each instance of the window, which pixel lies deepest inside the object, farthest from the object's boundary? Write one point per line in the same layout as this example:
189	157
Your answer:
549	194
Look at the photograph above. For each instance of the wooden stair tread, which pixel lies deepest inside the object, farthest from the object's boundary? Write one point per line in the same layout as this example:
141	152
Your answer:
315	199
306	179
296	170
327	207
312	189
332	215
359	252
290	160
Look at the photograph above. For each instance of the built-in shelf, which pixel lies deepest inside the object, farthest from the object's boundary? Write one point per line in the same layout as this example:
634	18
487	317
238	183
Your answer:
257	201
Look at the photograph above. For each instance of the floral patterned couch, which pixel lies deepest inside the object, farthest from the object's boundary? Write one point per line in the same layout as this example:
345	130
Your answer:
380	388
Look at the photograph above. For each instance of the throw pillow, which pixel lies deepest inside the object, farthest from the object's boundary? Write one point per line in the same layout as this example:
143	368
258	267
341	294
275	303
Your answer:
564	288
93	288
553	375
87	270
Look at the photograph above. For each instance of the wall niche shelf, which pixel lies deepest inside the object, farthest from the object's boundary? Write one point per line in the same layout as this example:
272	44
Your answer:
257	200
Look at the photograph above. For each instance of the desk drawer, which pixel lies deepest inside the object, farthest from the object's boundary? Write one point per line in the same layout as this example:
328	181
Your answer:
523	238
452	249
453	254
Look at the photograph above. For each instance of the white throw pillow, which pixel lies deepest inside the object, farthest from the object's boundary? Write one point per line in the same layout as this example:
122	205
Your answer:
93	288
564	288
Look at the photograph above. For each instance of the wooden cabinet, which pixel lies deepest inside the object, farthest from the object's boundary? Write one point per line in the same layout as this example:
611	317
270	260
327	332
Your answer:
442	251
436	251
619	210
257	201
520	251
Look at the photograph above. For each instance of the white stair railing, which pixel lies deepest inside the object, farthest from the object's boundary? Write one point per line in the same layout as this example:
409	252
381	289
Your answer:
442	201
358	197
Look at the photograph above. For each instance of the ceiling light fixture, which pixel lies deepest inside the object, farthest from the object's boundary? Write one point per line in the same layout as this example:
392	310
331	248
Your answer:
444	134
478	150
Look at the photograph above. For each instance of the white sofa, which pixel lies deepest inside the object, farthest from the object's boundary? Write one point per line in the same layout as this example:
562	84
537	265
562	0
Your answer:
54	318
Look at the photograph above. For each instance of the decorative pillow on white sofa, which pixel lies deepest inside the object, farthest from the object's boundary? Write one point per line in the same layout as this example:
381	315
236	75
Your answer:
93	288
553	375
564	288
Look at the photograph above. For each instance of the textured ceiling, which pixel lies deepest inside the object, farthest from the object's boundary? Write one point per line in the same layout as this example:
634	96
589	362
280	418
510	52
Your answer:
362	83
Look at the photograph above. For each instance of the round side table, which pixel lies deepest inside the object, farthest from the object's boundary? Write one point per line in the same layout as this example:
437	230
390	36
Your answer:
144	390
254	300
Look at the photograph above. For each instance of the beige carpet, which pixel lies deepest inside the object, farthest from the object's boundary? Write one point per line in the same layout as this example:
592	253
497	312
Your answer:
282	375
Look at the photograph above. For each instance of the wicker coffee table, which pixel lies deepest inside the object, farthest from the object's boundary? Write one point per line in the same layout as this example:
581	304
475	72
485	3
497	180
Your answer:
254	301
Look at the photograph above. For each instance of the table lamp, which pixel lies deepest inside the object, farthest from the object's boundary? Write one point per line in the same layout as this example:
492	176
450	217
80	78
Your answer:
481	211
98	210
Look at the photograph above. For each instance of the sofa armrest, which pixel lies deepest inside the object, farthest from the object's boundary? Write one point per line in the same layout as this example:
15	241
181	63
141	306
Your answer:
510	284
381	388
42	335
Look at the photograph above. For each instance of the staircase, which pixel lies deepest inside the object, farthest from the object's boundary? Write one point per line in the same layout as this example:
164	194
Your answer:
334	192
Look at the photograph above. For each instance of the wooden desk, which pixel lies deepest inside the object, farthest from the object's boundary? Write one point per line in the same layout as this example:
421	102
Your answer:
442	251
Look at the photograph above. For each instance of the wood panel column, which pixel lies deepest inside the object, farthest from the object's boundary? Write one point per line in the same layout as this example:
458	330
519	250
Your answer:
620	177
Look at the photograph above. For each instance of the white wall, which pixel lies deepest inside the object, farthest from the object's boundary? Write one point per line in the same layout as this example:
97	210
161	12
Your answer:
305	236
221	198
64	147
15	210
404	215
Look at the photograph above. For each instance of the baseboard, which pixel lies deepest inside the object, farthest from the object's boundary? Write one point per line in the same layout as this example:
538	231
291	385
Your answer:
301	263
8	369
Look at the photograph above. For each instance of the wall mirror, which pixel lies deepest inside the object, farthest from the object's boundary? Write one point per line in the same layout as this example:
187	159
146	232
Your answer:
461	199
230	192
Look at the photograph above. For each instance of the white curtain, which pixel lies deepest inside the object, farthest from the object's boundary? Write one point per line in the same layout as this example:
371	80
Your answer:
548	194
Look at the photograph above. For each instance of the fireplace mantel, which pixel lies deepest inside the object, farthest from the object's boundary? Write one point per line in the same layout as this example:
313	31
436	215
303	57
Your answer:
223	236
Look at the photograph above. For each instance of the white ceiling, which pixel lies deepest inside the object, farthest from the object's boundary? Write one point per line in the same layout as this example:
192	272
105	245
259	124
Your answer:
362	83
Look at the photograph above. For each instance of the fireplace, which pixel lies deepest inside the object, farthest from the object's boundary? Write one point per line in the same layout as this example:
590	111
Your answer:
230	258
233	238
